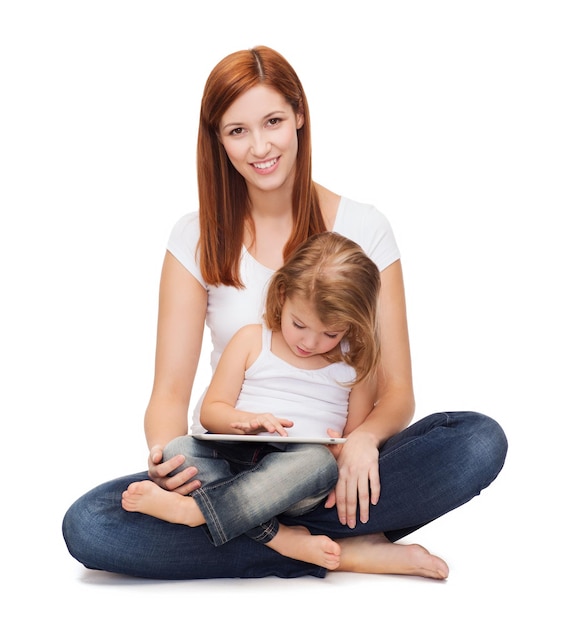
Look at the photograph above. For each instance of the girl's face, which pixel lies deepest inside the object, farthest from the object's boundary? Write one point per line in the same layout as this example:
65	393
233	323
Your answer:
259	134
303	331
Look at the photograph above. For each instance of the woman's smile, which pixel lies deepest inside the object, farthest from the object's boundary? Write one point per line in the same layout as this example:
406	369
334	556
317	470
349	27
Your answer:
265	167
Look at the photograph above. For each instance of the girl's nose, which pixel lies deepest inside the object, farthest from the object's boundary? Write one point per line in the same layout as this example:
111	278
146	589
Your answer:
309	342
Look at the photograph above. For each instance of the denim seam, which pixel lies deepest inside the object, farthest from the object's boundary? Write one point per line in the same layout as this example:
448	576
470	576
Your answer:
410	443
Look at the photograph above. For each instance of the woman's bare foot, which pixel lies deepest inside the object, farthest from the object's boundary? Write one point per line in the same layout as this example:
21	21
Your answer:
375	554
147	497
296	542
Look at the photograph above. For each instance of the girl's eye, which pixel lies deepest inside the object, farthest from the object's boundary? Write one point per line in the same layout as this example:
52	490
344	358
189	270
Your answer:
274	121
332	335
298	325
237	131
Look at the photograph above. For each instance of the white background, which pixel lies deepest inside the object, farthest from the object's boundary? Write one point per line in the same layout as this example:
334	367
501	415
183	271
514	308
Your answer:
447	115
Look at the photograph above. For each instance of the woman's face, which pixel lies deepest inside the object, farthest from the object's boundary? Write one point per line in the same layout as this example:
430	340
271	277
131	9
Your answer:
259	134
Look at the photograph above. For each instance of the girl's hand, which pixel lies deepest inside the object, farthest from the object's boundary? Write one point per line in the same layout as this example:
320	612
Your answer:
263	422
160	472
359	481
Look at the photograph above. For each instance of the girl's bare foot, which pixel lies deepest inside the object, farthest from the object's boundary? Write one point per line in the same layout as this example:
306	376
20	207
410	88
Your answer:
296	542
375	554
147	497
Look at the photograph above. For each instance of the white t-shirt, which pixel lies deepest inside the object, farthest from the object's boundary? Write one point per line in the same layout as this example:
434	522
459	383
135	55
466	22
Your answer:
313	400
229	309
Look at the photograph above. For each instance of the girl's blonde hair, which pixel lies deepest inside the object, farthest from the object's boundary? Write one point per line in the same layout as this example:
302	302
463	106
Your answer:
223	196
342	283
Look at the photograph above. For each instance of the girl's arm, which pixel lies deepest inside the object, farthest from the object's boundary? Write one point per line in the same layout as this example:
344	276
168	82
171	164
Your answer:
218	414
181	320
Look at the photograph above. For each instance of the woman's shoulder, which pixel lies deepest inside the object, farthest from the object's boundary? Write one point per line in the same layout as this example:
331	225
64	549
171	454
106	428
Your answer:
370	228
187	223
185	232
341	211
329	202
183	243
350	211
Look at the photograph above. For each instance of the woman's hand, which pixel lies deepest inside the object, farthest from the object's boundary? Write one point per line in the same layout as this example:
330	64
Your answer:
359	481
160	472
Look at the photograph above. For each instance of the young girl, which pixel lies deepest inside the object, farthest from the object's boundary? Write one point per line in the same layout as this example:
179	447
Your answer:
310	370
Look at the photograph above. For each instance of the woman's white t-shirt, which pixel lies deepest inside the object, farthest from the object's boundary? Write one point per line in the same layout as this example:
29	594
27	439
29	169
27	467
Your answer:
229	309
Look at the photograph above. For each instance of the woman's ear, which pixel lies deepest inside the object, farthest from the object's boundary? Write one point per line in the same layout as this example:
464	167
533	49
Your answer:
299	116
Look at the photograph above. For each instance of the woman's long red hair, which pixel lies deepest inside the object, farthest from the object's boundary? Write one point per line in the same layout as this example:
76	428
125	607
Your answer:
223	197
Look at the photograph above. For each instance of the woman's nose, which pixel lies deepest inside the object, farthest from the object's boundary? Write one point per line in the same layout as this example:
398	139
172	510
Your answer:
260	146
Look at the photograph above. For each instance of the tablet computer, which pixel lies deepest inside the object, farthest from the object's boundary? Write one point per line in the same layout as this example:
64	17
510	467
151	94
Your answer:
267	438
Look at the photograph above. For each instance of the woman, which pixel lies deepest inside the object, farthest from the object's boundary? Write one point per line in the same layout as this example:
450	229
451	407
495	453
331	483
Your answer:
257	202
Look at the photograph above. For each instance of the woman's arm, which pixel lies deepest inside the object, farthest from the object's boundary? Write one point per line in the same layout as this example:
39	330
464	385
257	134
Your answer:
395	406
181	320
393	410
361	401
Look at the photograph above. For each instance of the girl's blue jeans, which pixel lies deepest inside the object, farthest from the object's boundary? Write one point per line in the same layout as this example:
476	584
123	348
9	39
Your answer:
430	468
246	485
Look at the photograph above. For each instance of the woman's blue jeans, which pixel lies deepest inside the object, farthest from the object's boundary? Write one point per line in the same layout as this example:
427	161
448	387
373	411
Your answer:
246	485
430	468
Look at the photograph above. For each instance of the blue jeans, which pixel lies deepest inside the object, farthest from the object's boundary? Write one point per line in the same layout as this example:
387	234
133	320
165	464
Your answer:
430	468
245	485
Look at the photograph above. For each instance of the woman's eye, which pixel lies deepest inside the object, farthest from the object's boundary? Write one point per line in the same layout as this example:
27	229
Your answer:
332	335
274	121
298	325
237	131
